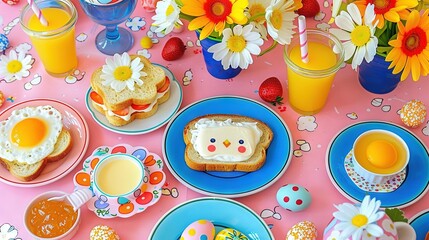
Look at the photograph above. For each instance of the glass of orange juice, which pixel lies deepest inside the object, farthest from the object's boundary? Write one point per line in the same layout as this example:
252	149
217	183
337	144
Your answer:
309	83
55	43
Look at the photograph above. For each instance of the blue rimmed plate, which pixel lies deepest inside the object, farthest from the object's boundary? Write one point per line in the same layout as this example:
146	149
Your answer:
164	113
411	190
228	184
420	223
222	212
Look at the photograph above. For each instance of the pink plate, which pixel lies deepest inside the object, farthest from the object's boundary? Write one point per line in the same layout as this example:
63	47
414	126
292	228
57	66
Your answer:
75	123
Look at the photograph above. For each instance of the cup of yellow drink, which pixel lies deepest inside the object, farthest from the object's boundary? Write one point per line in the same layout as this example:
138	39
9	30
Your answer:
379	155
118	176
55	43
309	83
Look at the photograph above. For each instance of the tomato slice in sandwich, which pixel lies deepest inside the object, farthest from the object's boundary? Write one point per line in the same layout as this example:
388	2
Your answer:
139	107
122	112
164	87
96	97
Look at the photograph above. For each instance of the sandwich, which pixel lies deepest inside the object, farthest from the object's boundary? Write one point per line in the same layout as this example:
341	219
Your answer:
225	142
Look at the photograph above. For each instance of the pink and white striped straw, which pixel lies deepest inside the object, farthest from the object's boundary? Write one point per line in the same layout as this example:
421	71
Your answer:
302	28
38	13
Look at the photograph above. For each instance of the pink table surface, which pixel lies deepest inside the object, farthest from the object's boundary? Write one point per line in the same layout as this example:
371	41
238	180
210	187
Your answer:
347	97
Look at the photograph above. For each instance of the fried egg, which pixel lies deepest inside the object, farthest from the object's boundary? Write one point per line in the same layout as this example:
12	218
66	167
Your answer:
29	134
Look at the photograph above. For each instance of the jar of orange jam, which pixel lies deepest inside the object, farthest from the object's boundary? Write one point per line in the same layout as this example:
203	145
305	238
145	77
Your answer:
48	219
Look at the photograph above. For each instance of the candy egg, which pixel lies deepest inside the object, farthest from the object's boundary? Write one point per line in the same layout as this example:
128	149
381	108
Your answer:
302	230
201	229
229	233
413	113
293	197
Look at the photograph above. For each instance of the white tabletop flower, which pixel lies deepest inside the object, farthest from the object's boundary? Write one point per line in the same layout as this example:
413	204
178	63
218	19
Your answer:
15	66
237	46
120	72
167	16
357	35
255	11
280	16
355	220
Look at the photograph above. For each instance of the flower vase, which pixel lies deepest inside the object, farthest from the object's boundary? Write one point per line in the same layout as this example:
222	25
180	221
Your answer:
375	76
213	66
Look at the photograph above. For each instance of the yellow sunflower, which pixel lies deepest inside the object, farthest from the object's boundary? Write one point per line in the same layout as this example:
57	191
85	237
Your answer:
411	49
212	15
390	10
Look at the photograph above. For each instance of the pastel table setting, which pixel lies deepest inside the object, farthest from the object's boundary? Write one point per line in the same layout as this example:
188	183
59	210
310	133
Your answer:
315	126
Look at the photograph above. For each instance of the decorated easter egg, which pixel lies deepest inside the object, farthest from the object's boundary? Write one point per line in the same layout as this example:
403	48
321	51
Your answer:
302	230
229	233
413	113
201	229
293	197
4	41
103	232
11	2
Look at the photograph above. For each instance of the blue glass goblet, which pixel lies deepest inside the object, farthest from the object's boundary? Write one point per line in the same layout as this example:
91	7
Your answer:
112	39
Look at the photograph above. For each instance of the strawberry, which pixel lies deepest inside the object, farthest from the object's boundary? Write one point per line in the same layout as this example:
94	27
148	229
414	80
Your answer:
173	49
310	8
271	90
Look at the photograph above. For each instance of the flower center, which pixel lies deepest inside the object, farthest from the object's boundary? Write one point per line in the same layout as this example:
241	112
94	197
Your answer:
256	9
360	35
359	220
14	66
236	43
169	10
218	10
414	41
383	6
277	19
122	73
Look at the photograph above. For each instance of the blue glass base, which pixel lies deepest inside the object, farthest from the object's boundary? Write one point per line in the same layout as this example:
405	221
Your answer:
122	44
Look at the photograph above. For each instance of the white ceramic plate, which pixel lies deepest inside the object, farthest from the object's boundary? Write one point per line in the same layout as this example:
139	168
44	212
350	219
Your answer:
164	113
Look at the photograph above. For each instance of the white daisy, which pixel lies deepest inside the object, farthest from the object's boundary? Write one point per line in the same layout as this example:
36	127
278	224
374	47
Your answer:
237	46
336	4
120	72
354	220
280	16
357	35
166	16
255	12
15	66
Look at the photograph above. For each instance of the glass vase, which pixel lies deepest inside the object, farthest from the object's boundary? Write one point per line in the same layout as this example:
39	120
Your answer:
375	77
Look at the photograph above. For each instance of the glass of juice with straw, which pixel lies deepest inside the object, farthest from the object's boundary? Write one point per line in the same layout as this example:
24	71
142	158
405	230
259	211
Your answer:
50	25
311	68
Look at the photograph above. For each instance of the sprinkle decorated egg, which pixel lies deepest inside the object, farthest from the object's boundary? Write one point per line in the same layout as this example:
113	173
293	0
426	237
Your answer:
293	197
302	230
413	113
201	229
229	233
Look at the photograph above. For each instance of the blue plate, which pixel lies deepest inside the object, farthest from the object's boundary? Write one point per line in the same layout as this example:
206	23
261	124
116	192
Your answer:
420	223
222	212
411	190
164	113
228	184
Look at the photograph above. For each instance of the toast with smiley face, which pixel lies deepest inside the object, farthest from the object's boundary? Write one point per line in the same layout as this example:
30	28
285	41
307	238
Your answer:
225	142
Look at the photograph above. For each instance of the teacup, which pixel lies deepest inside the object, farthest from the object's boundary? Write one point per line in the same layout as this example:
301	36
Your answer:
392	230
379	155
117	176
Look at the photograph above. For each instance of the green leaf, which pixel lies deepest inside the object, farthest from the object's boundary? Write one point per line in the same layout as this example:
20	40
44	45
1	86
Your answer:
396	215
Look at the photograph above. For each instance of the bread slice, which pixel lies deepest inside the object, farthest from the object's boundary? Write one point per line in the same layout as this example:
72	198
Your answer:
28	172
195	161
142	95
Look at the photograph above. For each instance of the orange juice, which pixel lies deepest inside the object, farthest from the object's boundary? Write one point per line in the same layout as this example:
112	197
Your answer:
309	83
55	44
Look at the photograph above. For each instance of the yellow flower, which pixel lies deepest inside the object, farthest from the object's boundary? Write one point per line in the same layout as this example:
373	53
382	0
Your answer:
213	15
390	10
410	51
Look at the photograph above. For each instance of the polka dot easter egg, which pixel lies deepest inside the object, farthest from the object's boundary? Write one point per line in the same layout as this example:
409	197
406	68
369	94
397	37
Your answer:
229	233
302	230
293	197
198	230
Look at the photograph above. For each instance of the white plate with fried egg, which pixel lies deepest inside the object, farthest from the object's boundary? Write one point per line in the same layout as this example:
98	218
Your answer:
74	122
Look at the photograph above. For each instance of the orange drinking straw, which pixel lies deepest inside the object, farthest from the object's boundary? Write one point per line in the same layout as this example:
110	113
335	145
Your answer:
302	28
38	13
